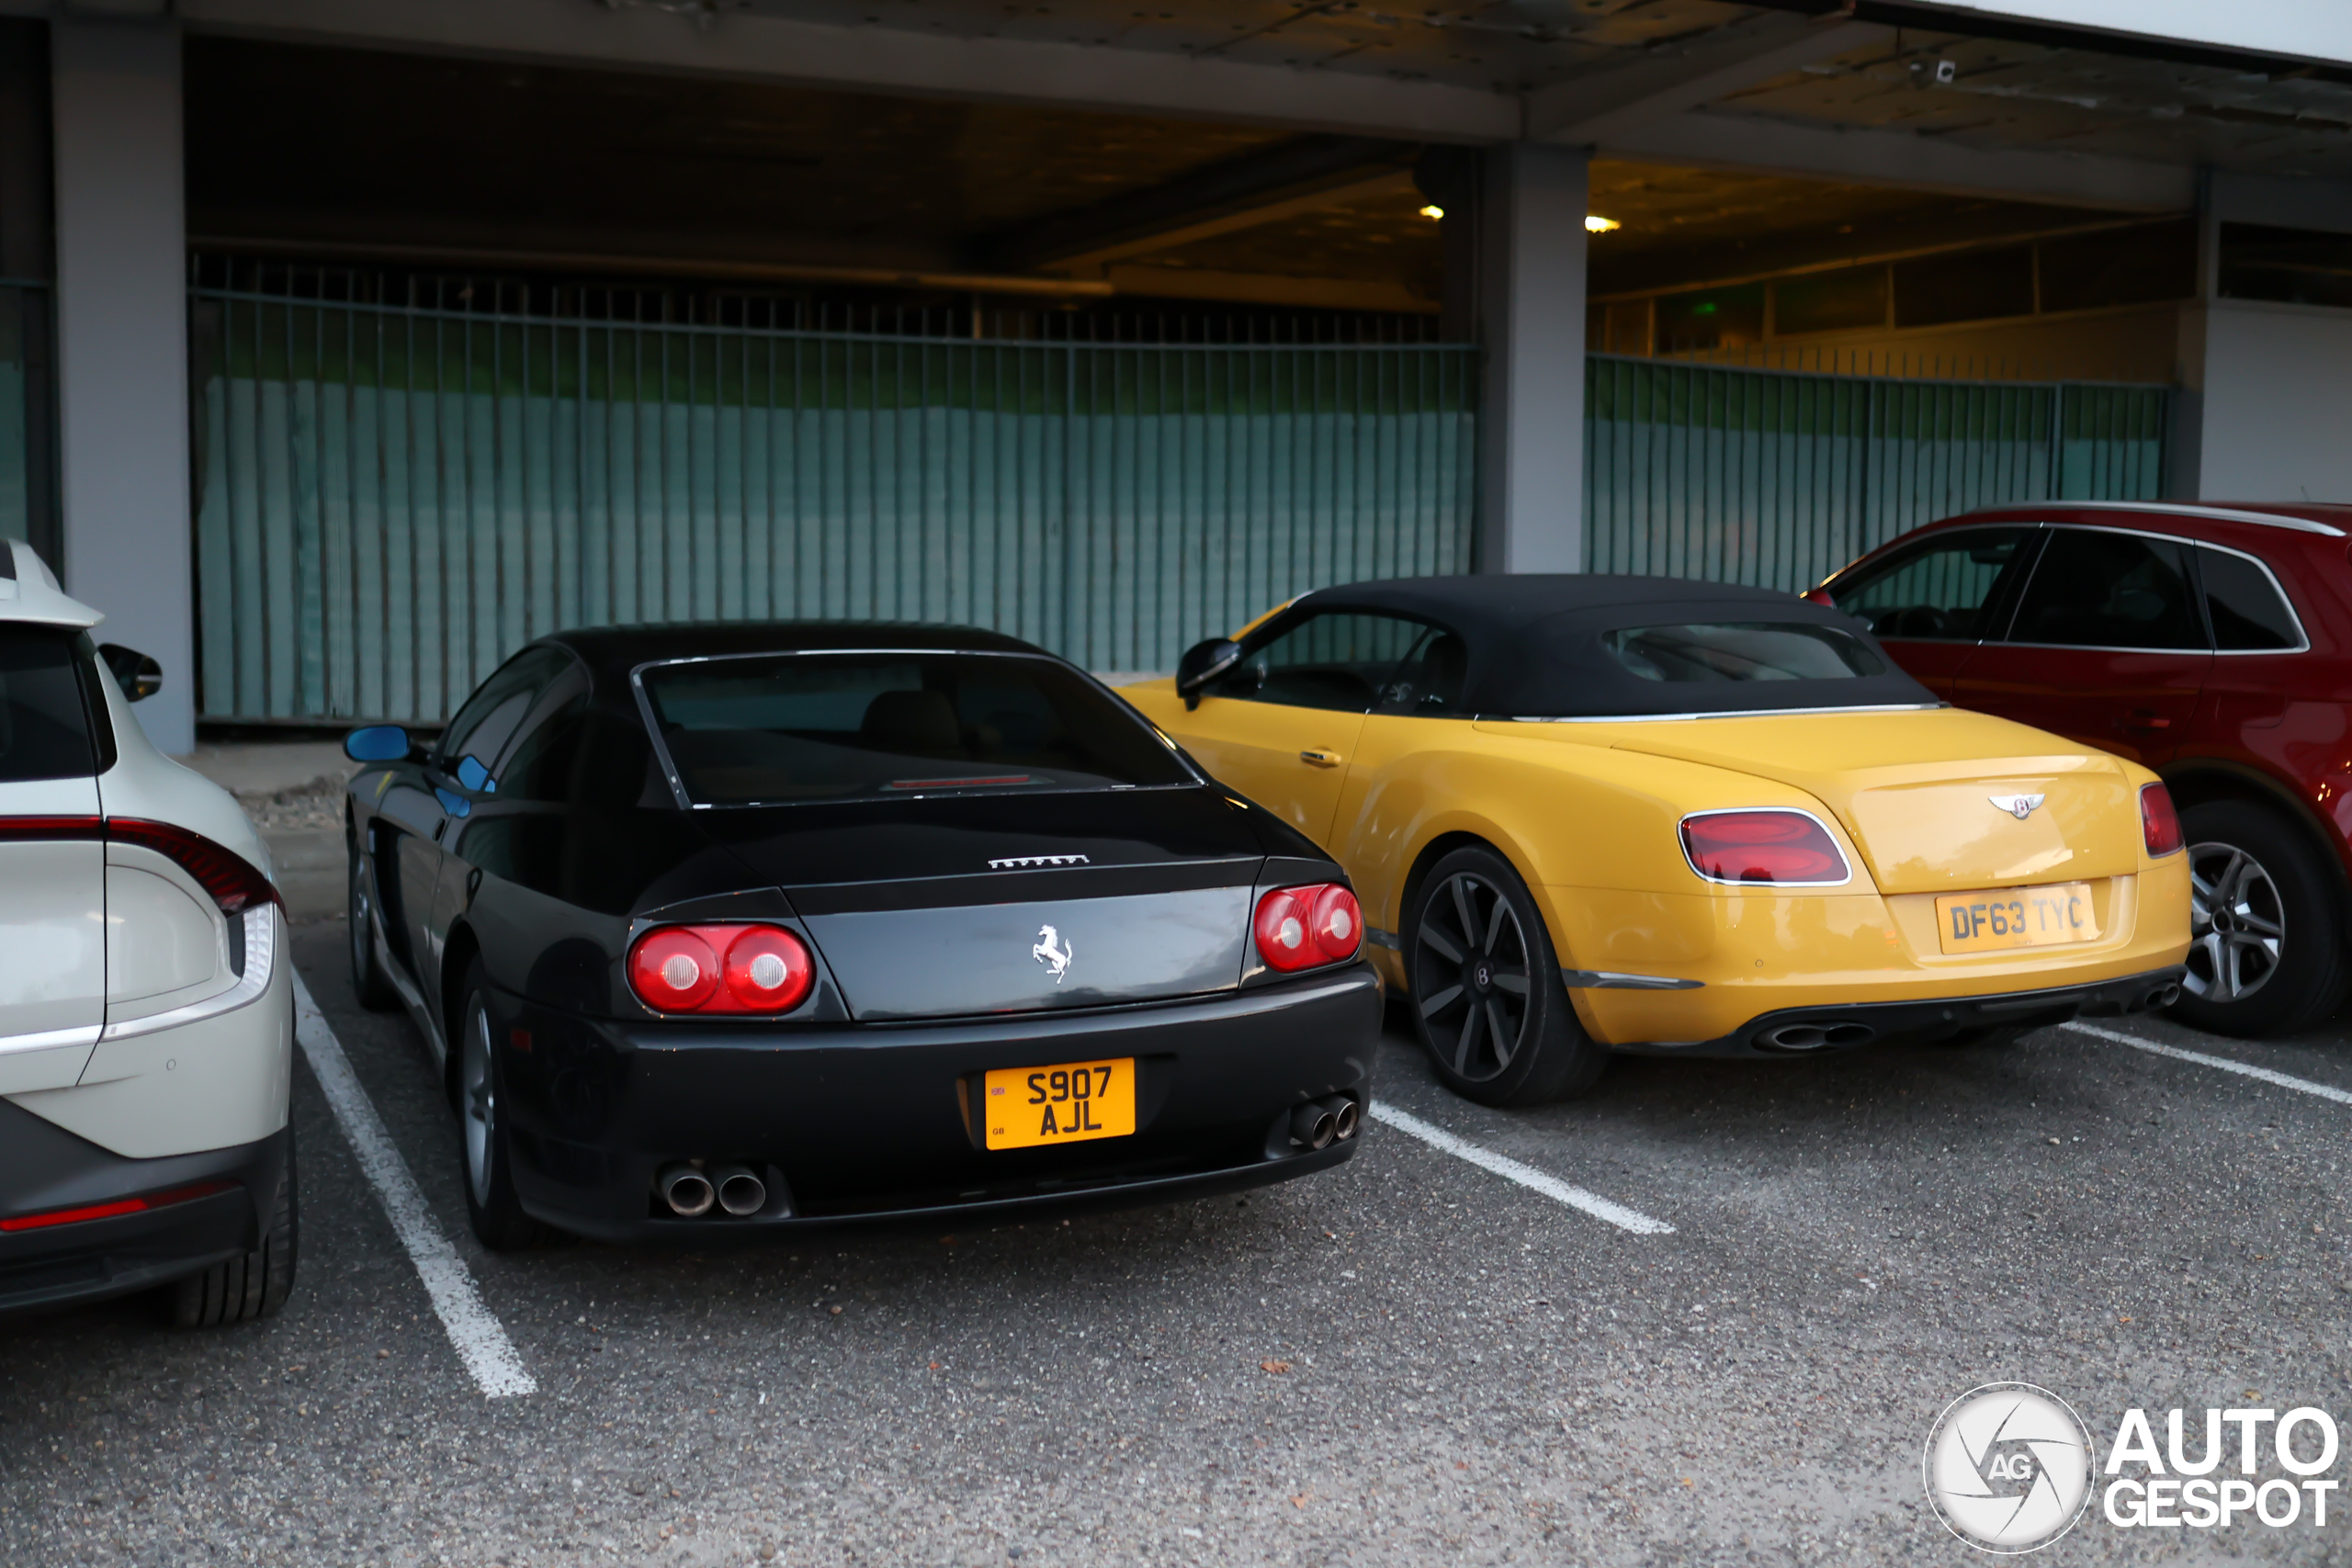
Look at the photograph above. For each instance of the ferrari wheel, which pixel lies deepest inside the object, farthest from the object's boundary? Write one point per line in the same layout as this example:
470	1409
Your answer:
376	993
496	1214
1486	1000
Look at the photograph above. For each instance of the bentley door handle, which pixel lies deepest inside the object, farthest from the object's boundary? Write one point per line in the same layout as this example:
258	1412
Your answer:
1320	756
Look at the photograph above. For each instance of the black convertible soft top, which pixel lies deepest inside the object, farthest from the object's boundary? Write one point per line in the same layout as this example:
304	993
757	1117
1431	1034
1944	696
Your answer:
1535	643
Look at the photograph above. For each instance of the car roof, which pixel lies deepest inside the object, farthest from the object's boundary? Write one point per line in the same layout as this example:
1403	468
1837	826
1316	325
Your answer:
616	650
2323	519
1533	642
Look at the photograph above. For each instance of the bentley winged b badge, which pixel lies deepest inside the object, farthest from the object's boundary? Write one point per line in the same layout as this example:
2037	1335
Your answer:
1052	952
2018	806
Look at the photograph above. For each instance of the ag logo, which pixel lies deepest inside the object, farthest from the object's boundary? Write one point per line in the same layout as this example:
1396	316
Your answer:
2008	1467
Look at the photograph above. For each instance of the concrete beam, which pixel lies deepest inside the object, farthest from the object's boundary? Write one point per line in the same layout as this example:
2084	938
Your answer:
1532	314
2282	202
1297	176
1752	142
751	47
1591	109
1265	289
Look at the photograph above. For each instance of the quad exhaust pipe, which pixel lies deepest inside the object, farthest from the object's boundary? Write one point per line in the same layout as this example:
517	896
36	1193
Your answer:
741	1191
692	1188
1320	1124
686	1189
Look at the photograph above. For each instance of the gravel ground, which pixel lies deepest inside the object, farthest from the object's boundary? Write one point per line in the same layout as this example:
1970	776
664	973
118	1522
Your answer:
318	804
1405	1360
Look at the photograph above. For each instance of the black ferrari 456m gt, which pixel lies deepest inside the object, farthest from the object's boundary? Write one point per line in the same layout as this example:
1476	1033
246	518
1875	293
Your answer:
748	927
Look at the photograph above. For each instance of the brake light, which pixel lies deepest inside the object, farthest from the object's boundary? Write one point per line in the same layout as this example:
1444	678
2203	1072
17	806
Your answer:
1302	928
108	1211
2159	823
1821	596
720	969
235	882
1774	846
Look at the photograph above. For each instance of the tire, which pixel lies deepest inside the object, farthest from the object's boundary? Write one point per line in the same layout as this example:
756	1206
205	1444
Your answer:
485	1165
2265	952
257	1284
1487	998
368	978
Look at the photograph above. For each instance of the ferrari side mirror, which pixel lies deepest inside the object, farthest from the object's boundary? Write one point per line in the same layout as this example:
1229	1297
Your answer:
1204	662
377	743
139	676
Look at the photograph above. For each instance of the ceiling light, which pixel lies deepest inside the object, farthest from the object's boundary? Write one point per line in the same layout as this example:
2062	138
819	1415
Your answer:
1596	224
1433	212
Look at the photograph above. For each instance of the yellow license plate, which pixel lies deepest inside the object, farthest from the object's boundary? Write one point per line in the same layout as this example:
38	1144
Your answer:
1023	1107
2017	917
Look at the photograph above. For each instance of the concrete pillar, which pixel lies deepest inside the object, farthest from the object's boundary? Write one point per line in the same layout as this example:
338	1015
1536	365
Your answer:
123	347
2268	386
1530	315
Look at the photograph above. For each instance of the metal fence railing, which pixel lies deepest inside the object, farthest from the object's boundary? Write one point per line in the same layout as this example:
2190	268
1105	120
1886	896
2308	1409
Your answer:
391	499
1777	478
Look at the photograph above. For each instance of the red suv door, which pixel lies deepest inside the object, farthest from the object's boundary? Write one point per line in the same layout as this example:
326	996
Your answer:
2108	646
1929	602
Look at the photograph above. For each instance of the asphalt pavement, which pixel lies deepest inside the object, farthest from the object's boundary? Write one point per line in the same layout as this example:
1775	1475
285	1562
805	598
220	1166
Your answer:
1706	1315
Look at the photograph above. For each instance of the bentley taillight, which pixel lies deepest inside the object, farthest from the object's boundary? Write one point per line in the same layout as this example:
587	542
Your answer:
720	969
1777	846
1301	928
2159	823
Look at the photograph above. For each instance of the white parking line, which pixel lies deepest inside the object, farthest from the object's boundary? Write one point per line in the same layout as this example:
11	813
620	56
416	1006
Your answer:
2245	1069
479	1339
1527	1176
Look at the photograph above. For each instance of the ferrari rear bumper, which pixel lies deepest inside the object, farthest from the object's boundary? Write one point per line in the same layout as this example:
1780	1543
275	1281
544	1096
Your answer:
861	1123
1815	1030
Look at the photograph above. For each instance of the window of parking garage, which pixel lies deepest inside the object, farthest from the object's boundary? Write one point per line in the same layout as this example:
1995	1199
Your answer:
2293	267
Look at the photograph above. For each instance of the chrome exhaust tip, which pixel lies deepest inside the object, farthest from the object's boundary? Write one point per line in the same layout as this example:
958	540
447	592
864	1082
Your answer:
687	1191
1347	1115
741	1191
1312	1125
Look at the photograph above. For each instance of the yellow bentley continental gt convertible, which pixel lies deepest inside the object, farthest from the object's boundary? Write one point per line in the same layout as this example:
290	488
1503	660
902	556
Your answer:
1588	815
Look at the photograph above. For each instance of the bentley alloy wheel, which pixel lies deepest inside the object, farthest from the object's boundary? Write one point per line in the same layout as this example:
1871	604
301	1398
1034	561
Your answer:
1470	976
1487	998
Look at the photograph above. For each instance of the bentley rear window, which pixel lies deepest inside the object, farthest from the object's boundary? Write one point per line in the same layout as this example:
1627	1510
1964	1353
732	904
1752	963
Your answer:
1742	651
784	728
44	727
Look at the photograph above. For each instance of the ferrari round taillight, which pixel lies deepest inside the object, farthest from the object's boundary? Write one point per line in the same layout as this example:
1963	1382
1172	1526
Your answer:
1299	928
2159	823
1774	846
1337	923
672	969
720	969
767	969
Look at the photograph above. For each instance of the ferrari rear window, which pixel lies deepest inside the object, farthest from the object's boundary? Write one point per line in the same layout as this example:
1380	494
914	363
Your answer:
44	725
1742	651
775	729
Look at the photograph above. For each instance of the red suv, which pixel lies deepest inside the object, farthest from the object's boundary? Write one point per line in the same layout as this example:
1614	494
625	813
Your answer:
2211	643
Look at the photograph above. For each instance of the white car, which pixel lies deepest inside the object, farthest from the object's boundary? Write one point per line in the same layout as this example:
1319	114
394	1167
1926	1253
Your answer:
146	995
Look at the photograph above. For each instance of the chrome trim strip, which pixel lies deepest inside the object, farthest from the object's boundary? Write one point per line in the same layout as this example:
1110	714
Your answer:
260	966
2179	509
1750	810
1728	712
1609	979
51	1039
1379	938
